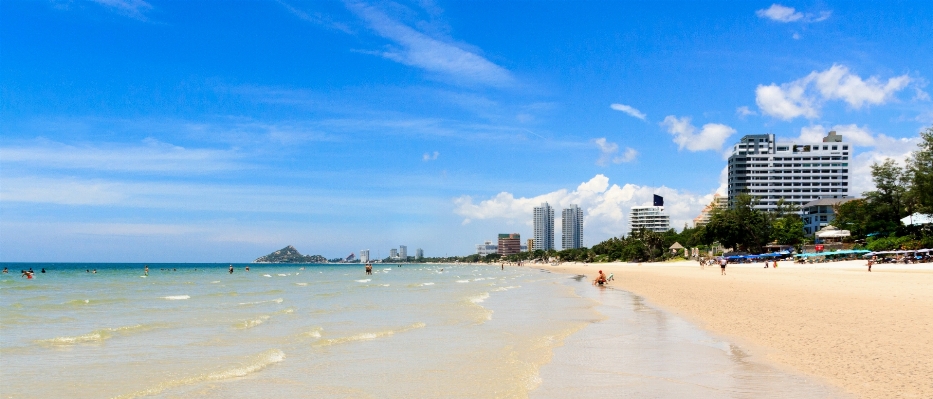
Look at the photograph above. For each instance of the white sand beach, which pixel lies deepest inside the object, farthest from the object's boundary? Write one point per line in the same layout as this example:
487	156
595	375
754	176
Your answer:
871	334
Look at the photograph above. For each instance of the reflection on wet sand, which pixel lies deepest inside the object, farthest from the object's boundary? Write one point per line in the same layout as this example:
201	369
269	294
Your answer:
642	351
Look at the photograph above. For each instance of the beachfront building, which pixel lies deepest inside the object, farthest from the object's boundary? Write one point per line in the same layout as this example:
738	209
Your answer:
364	256
486	248
798	173
530	246
820	213
393	253
719	202
651	218
403	252
419	254
544	227
572	227
509	244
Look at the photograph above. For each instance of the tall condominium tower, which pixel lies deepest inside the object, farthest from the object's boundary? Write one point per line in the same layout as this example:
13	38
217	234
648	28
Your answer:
544	227
364	256
651	218
572	227
795	172
403	252
419	253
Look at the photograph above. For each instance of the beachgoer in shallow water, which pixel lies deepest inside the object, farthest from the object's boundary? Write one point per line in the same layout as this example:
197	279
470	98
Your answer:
43	270
94	271
601	279
722	265
5	270
369	268
147	270
247	268
231	269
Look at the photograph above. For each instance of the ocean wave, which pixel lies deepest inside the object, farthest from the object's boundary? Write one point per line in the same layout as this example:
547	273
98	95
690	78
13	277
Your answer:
479	298
277	300
286	311
252	365
427	283
98	335
251	323
367	336
463	281
314	333
301	284
364	280
507	288
176	297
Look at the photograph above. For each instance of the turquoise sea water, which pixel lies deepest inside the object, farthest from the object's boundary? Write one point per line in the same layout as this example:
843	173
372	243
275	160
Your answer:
194	330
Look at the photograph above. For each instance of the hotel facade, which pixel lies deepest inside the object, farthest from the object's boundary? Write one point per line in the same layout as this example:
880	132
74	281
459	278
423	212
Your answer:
798	173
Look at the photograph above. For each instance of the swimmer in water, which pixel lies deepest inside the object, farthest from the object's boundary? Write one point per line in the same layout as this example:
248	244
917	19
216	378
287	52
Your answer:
231	269
147	270
5	270
247	267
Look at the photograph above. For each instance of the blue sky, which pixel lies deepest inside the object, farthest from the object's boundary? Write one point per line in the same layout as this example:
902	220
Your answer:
189	131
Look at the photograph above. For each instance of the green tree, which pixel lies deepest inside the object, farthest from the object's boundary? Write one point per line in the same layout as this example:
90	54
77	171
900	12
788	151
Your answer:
919	172
741	226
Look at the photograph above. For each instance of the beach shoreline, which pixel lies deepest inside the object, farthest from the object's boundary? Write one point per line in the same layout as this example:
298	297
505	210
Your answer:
870	334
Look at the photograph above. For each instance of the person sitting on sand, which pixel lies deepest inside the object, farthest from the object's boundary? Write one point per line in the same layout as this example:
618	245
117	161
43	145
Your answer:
601	279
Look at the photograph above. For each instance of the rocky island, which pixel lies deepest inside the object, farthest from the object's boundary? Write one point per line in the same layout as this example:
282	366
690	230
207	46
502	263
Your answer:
290	255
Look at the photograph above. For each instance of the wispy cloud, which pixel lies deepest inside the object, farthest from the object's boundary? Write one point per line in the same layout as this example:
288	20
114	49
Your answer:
629	110
711	137
419	50
135	9
430	157
317	18
805	96
744	111
151	156
608	152
785	14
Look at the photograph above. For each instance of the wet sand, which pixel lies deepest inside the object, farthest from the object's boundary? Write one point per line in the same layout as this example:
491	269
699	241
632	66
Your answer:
870	334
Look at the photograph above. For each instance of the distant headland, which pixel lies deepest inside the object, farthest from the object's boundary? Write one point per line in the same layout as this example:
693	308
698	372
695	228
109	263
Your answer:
290	255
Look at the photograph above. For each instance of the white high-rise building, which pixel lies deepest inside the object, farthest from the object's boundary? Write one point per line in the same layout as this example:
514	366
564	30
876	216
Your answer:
403	252
419	254
486	248
798	173
572	227
544	227
651	218
393	253
364	256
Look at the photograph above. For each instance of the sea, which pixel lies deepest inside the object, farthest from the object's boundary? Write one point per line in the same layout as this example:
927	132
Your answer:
331	331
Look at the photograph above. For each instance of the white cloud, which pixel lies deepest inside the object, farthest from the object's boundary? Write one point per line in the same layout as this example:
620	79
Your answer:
430	157
606	207
435	56
785	14
805	96
629	110
744	111
885	148
780	13
608	151
152	156
796	36
131	8
920	95
711	137
851	133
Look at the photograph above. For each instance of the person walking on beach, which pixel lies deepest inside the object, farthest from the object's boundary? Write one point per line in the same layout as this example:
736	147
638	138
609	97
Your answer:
870	262
231	269
722	265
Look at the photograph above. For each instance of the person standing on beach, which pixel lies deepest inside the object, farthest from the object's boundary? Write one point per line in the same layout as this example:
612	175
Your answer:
722	265
870	262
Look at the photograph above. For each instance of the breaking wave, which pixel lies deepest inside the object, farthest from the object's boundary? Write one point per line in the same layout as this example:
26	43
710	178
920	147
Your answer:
254	364
367	336
251	323
176	297
98	335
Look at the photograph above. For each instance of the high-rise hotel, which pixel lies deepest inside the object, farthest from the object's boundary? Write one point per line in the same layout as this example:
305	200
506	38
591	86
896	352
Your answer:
797	172
572	228
544	227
